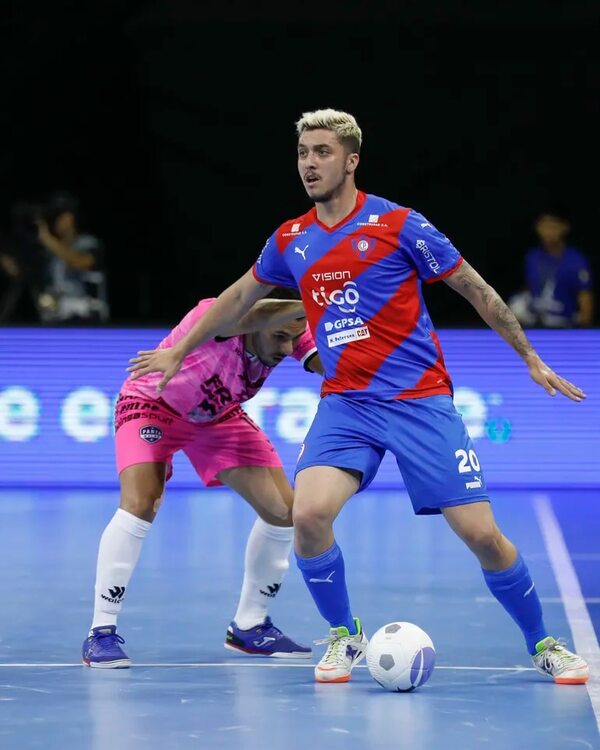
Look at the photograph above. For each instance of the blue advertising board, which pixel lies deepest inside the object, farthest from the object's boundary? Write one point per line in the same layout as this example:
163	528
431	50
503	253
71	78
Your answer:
58	388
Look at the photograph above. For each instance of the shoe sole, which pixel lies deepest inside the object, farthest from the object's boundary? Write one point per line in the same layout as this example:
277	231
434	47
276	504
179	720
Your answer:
120	664
337	681
571	680
276	655
343	678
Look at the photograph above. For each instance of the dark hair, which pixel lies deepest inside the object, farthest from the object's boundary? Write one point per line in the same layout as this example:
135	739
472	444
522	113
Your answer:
556	210
61	202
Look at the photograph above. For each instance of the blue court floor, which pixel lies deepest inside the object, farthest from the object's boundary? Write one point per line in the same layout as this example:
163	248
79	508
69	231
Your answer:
185	691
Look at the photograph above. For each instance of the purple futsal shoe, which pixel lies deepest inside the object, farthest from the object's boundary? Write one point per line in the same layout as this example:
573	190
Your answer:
102	649
264	640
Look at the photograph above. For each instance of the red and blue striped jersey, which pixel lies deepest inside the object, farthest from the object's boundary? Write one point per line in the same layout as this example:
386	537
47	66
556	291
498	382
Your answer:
360	283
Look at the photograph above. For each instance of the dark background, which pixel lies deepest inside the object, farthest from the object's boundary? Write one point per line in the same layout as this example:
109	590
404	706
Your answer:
174	123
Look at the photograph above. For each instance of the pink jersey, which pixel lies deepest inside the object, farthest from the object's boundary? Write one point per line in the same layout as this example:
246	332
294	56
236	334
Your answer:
214	377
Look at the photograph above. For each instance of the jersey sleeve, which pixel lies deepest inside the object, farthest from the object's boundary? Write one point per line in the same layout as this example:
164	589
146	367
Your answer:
305	348
583	274
271	268
430	251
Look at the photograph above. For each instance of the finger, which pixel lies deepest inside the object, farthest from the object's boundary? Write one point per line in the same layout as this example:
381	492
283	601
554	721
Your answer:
147	353
570	391
137	366
567	388
547	386
139	370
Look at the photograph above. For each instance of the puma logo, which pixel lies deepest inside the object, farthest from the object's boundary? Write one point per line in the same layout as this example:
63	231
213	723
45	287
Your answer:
322	580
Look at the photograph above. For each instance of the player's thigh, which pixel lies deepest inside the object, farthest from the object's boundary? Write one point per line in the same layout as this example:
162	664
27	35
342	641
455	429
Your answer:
147	435
233	441
142	489
343	437
474	523
265	488
435	454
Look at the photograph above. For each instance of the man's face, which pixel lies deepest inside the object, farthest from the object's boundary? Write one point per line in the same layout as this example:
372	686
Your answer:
323	164
274	345
551	229
64	225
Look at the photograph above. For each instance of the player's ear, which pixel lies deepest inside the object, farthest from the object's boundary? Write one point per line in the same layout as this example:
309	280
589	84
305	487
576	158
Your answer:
351	163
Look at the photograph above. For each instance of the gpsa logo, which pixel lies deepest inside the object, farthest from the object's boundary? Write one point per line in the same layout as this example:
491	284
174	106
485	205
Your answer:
345	298
339	325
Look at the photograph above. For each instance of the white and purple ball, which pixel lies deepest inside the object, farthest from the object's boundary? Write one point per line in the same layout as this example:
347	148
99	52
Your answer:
400	656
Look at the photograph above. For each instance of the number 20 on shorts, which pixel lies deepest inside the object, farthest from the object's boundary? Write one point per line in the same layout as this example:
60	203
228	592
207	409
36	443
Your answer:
468	462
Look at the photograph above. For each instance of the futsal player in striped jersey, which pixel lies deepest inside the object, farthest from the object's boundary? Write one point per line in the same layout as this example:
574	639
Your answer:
200	414
359	261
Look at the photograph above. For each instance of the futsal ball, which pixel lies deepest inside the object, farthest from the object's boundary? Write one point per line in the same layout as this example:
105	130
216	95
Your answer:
400	656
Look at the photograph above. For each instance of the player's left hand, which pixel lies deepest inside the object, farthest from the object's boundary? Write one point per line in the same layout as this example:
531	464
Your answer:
551	382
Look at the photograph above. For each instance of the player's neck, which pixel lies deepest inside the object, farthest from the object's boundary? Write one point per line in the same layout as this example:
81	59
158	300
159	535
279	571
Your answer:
555	249
339	206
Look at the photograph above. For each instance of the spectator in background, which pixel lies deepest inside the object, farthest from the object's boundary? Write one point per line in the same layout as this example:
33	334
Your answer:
10	281
76	291
21	273
559	290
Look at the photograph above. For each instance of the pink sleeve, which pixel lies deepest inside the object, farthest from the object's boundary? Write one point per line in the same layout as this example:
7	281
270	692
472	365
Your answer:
305	347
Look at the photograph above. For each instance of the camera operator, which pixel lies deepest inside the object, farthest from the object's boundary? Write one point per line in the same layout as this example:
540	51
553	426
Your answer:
76	282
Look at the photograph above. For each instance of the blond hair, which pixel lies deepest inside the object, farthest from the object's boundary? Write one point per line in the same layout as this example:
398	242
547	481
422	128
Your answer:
342	124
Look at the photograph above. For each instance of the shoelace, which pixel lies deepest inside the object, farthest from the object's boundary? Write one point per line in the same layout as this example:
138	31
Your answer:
267	628
335	644
116	636
558	647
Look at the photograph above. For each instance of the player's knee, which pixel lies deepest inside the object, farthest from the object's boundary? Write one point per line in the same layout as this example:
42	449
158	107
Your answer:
141	506
311	520
483	538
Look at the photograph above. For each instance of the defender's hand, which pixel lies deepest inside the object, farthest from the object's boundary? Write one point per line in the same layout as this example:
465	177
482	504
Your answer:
551	382
167	361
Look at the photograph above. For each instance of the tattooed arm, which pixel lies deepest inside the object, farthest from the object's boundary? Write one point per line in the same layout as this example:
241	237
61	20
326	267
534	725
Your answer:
496	313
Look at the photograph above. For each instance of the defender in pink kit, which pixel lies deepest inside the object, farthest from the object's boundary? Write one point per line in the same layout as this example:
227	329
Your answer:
200	413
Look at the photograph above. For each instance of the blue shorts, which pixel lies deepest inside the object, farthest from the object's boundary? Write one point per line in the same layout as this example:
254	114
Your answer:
427	436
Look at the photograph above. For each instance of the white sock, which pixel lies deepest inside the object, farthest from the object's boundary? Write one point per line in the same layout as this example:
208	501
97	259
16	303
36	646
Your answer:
118	553
266	563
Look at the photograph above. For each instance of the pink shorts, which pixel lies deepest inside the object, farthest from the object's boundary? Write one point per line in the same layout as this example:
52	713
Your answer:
150	431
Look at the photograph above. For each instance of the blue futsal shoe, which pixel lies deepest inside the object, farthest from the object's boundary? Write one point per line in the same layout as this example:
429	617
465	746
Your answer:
102	649
264	640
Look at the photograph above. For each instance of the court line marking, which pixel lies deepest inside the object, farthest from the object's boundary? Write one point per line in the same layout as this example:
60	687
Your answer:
543	599
578	617
271	665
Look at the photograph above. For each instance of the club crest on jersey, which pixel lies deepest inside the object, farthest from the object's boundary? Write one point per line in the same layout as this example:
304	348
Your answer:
363	246
150	433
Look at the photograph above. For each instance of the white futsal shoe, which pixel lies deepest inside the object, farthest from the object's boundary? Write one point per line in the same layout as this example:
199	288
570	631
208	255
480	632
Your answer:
343	653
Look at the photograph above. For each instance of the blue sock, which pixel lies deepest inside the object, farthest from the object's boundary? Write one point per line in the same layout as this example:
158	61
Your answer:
515	591
325	577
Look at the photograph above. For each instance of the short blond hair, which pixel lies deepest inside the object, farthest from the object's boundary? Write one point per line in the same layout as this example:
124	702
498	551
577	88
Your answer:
342	124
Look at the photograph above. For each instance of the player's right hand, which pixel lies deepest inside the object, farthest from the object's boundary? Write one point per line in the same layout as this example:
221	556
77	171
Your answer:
166	361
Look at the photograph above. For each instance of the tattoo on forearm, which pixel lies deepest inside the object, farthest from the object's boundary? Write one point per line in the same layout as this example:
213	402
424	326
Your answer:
491	307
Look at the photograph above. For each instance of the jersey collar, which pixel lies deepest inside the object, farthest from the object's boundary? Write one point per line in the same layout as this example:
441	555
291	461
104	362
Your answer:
360	202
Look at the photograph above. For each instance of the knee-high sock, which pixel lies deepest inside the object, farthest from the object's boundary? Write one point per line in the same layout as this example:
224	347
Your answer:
515	591
267	560
325	576
118	553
